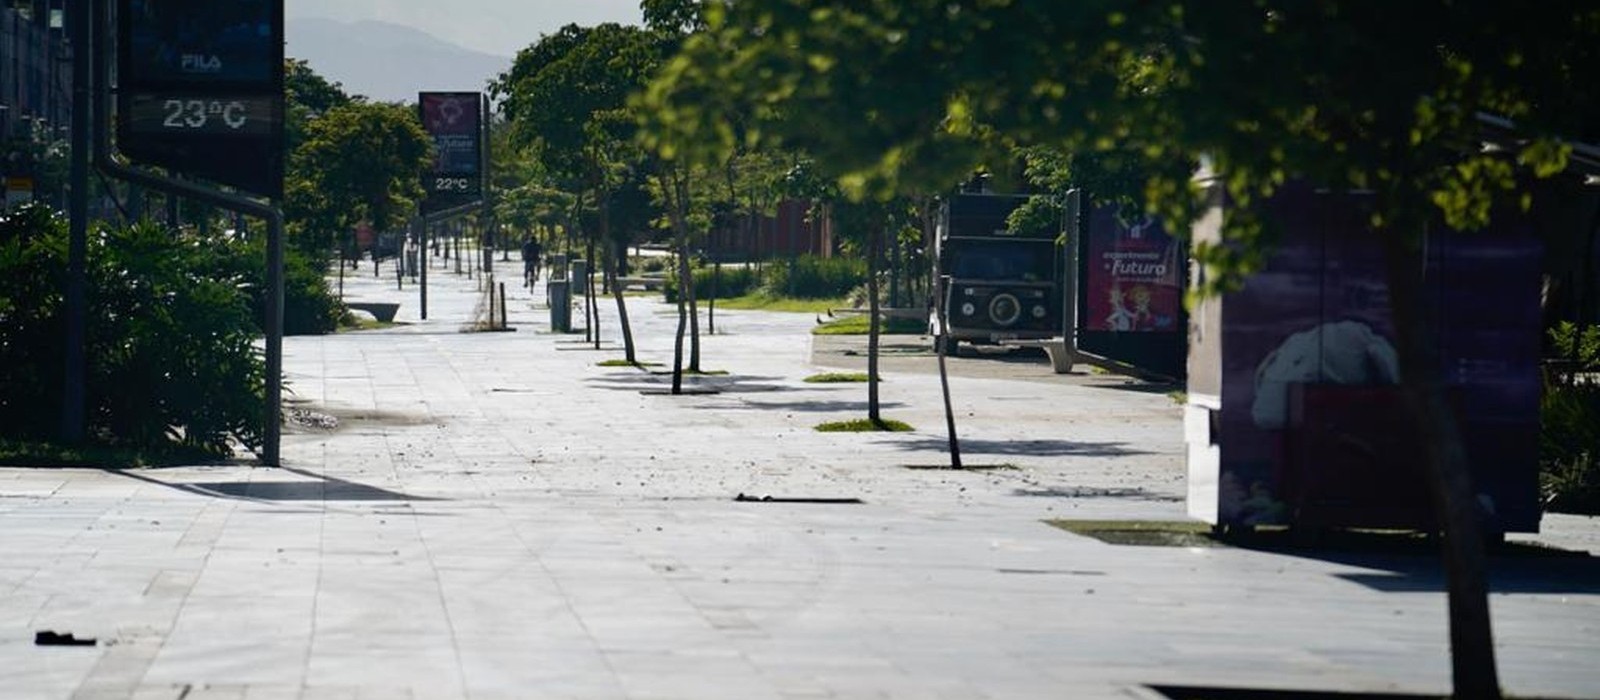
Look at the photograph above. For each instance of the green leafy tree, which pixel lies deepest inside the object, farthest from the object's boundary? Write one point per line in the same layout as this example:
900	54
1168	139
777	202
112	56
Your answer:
308	96
359	161
1391	99
565	98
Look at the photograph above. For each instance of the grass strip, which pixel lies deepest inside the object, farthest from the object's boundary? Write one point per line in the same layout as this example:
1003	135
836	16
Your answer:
864	425
838	378
858	324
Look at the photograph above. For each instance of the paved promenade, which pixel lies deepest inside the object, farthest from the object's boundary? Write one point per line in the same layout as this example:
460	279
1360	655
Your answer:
497	516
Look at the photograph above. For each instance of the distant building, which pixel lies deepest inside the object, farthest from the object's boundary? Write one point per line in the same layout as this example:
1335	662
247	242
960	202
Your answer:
35	84
788	233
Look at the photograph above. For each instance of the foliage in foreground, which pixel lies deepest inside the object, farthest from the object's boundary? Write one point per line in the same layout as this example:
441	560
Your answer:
169	342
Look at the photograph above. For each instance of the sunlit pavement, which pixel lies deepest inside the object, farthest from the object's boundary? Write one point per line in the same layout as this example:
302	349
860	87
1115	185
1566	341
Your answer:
497	516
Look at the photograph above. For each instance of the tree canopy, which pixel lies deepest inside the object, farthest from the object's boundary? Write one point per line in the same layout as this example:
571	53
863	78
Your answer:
359	161
898	95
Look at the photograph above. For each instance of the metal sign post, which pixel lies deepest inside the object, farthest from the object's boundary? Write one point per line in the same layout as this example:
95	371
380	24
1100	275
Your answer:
454	185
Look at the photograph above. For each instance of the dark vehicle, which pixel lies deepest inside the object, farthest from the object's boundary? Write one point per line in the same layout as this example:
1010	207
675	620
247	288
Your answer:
1000	284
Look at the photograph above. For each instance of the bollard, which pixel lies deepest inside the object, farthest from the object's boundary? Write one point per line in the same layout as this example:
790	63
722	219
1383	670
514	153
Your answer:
579	277
503	325
559	293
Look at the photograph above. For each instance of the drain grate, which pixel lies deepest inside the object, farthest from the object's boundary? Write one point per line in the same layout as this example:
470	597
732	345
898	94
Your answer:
744	498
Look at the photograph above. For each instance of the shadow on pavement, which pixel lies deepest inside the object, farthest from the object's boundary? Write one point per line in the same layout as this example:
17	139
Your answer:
727	384
321	488
1020	448
1140	387
1558	572
1408	563
808	406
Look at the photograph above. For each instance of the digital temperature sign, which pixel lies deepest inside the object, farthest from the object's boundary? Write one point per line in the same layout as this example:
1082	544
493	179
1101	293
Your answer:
455	121
240	116
200	89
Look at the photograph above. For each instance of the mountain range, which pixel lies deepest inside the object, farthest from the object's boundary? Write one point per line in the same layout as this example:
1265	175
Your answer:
388	62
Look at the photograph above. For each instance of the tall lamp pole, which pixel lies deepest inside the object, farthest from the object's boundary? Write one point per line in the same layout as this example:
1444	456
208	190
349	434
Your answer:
73	393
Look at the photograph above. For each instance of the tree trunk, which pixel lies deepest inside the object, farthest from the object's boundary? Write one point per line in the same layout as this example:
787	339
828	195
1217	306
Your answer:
944	376
1454	499
874	244
677	202
716	289
694	317
616	289
591	312
688	287
684	282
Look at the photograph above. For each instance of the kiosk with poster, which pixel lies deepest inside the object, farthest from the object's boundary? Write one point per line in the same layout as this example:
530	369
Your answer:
1130	292
1294	415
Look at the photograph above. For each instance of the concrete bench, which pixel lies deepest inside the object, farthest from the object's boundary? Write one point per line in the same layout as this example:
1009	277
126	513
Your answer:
1060	357
652	284
382	311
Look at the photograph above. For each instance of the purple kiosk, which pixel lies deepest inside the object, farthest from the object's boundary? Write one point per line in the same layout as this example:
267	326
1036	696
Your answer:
1294	417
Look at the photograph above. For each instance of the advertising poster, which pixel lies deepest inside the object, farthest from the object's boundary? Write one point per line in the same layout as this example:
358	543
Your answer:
453	120
201	41
1133	276
1314	429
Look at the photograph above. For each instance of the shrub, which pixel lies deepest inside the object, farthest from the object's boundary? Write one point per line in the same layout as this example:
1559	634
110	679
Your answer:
170	350
651	264
735	281
812	277
1569	449
1567	345
309	306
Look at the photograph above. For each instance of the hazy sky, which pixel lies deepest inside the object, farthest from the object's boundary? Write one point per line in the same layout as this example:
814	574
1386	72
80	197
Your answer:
500	27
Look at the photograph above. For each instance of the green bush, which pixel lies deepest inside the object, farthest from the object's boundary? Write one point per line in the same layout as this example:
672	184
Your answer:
650	264
1569	450
309	305
171	357
812	277
1564	340
734	281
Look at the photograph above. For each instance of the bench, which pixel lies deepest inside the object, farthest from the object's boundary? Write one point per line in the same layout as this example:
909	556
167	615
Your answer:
382	311
1060	357
651	284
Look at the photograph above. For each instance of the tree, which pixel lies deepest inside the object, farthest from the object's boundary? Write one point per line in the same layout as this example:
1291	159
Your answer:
566	98
359	161
308	96
1386	99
